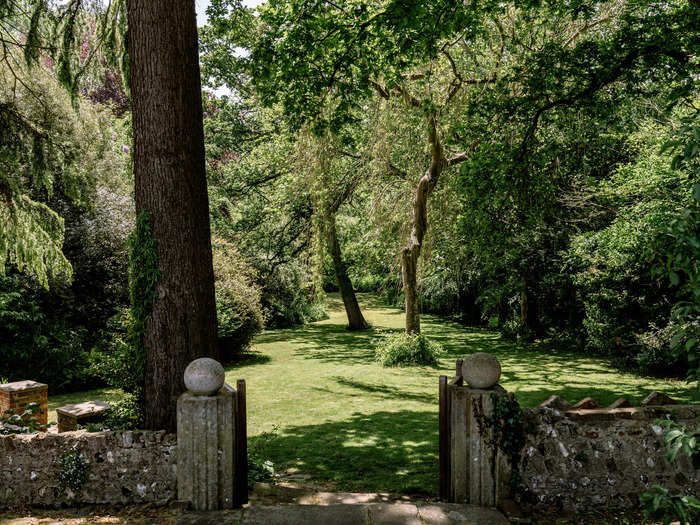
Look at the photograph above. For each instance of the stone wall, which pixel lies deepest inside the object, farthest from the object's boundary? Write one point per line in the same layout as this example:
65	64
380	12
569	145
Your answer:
584	459
123	467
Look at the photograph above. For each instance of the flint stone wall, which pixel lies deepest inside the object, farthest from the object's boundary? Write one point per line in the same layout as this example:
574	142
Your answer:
583	459
123	467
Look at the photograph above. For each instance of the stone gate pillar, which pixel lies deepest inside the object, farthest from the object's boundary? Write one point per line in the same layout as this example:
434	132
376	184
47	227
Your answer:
206	443
472	467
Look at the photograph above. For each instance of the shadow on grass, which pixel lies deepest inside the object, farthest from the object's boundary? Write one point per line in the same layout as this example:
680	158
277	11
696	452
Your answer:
247	359
573	391
379	390
372	301
383	451
333	343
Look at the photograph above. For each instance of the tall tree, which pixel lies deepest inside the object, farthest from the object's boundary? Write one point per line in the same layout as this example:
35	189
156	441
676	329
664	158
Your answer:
395	49
334	179
171	193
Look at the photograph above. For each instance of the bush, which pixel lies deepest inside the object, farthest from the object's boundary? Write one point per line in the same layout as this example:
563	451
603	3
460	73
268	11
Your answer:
112	358
404	349
26	422
238	304
659	503
260	467
655	356
440	291
125	414
289	298
46	334
73	471
38	338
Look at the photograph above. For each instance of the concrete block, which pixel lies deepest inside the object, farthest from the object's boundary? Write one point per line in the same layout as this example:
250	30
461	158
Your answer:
206	449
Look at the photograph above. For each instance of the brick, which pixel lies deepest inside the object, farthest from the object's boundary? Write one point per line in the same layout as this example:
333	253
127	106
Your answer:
620	403
556	402
70	416
16	396
587	403
657	399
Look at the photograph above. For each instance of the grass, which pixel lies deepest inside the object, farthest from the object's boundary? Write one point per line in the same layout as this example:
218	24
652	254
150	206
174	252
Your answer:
345	419
352	424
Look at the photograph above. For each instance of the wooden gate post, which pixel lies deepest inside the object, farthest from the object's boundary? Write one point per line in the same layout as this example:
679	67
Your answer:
445	431
241	490
444	440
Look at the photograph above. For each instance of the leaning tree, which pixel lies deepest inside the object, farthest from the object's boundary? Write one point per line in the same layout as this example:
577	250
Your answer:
330	58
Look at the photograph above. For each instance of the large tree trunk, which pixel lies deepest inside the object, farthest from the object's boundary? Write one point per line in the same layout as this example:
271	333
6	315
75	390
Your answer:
411	252
170	186
355	319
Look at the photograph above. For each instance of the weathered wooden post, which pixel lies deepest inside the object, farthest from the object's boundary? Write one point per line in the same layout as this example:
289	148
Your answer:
472	467
208	461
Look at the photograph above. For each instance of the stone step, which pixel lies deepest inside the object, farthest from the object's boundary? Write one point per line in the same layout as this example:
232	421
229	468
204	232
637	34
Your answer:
351	514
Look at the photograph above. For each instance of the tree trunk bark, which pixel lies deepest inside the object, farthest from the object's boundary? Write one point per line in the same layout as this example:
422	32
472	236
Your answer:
523	309
411	252
529	318
170	185
355	319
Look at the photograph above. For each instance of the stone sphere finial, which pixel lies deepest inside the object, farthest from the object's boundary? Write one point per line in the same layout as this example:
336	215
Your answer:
204	376
481	370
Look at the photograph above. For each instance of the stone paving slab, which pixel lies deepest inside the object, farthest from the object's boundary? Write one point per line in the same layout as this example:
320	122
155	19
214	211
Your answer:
350	514
449	513
302	514
393	514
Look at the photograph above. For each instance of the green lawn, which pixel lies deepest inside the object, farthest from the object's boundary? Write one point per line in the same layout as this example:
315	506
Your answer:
346	421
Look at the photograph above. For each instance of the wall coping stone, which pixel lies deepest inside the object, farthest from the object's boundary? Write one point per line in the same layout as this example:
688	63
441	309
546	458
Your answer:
19	386
83	409
649	412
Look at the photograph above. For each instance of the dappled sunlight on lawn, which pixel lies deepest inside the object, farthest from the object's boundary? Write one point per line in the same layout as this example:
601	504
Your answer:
339	412
352	424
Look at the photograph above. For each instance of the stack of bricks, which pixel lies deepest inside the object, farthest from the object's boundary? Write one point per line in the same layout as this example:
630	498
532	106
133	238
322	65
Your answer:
16	396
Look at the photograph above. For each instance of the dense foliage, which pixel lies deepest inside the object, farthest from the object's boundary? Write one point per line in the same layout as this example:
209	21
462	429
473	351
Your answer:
563	216
560	141
237	300
61	289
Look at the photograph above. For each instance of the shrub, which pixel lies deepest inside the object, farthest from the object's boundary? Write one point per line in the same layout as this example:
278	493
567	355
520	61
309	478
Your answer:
237	300
112	358
73	471
125	414
260	467
659	503
402	349
38	338
24	423
655	356
290	298
440	290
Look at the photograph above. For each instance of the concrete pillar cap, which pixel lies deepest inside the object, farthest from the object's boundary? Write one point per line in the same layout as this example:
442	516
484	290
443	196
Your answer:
204	376
481	370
